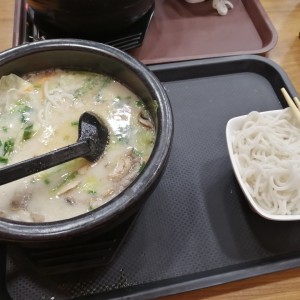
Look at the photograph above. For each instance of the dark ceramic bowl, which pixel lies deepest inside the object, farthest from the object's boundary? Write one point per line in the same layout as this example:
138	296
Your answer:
92	18
95	57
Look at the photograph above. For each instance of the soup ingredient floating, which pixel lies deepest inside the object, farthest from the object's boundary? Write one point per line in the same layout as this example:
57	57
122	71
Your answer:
39	113
93	137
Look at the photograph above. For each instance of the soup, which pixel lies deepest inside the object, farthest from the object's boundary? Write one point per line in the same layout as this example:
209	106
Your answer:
40	113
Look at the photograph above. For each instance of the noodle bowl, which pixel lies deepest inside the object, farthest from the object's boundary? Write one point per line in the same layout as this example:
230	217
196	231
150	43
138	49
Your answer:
265	154
40	114
82	55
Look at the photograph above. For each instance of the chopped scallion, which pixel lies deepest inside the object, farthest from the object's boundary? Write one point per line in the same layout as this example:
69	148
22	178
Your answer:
25	113
3	160
139	103
28	131
8	146
67	178
92	192
142	166
75	123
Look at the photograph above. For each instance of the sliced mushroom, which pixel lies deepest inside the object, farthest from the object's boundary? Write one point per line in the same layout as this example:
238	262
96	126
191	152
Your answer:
68	187
37	217
3	214
20	200
122	168
107	193
95	202
127	168
145	120
70	200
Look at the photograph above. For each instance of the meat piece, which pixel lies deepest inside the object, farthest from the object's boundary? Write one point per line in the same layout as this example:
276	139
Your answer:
70	200
37	217
125	166
126	170
20	200
68	187
145	120
3	214
122	168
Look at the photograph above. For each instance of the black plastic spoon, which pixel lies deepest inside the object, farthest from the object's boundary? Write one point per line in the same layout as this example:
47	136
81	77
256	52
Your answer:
91	142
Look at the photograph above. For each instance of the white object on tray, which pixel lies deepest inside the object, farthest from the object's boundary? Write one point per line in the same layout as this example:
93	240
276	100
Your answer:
232	126
221	6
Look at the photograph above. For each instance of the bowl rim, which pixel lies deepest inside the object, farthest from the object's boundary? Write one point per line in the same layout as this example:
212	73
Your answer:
232	125
49	231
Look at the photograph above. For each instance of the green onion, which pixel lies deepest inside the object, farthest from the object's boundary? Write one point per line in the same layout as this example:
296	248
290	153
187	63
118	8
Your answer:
122	139
67	178
8	146
47	181
25	113
3	160
105	82
142	166
92	192
37	86
89	84
139	103
91	208
28	131
137	153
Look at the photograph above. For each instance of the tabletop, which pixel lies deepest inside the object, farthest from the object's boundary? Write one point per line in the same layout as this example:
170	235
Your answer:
285	16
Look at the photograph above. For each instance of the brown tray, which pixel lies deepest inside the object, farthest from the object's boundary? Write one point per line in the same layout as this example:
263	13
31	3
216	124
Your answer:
183	31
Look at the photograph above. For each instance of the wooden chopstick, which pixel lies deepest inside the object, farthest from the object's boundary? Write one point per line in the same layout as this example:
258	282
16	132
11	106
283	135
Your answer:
296	100
291	102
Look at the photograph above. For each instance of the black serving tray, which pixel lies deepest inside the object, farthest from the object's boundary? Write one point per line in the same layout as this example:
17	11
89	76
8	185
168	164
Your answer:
197	229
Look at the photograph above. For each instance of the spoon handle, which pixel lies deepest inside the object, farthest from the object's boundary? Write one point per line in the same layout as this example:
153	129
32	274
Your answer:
43	162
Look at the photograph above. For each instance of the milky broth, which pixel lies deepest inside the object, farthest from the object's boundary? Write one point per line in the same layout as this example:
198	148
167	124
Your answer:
40	113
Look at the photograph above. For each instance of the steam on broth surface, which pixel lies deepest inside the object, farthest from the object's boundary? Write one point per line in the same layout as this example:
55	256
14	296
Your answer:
40	113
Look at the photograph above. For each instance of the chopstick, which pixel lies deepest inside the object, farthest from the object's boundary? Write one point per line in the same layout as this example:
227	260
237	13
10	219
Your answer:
294	103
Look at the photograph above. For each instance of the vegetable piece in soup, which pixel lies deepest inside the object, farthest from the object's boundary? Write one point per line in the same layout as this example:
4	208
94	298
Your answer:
40	113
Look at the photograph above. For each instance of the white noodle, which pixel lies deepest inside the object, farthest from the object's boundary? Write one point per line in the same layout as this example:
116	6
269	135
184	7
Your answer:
267	149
